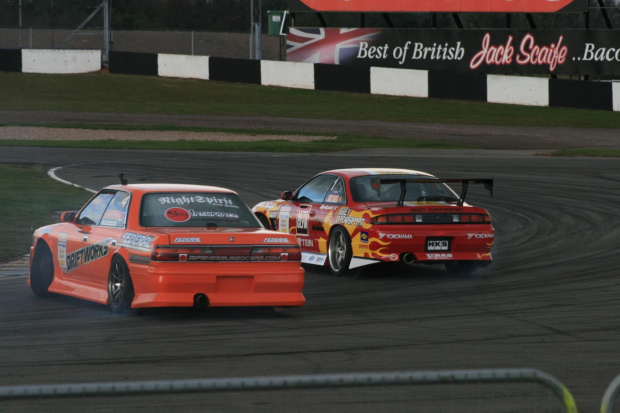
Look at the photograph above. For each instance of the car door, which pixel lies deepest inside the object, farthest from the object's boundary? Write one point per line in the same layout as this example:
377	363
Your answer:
305	211
92	239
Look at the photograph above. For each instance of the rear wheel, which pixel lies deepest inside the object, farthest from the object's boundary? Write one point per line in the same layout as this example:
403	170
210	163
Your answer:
41	271
120	287
339	251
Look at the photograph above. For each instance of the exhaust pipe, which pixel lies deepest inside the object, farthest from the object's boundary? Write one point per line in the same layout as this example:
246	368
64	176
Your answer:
201	301
408	258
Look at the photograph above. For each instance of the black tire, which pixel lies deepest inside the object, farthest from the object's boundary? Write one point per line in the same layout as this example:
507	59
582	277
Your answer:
264	221
41	271
120	287
462	267
339	251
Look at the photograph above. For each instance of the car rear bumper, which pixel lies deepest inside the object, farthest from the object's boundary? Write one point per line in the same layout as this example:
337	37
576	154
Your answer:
179	287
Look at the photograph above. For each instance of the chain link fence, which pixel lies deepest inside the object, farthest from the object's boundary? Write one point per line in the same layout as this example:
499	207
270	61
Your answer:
208	27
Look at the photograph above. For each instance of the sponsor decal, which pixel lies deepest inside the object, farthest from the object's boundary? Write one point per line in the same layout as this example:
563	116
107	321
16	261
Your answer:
439	256
480	236
438	245
177	214
136	241
329	207
208	214
139	259
395	236
344	218
364	236
232	258
62	250
275	240
305	242
283	219
391	257
432	209
303	220
528	53
197	199
187	239
309	258
87	254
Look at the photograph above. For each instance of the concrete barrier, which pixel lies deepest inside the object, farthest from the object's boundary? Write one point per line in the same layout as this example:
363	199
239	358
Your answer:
399	82
193	67
287	74
514	90
60	61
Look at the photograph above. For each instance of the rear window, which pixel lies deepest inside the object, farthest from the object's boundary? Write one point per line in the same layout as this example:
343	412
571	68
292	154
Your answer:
196	209
376	188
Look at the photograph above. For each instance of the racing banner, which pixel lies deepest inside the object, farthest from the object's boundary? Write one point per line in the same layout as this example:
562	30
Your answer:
578	52
439	6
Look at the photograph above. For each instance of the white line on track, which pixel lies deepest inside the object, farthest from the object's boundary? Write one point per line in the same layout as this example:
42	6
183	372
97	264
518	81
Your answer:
52	174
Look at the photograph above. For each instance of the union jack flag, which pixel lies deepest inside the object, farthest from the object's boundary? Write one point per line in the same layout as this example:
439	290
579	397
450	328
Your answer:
333	46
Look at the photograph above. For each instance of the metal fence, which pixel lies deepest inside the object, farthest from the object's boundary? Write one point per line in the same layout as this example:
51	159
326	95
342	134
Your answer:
105	25
407	378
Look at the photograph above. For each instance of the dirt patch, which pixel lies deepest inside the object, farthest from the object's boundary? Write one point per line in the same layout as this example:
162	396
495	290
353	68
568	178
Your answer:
39	133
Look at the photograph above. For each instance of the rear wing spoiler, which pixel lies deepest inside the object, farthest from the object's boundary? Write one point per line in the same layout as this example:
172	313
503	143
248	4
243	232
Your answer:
488	185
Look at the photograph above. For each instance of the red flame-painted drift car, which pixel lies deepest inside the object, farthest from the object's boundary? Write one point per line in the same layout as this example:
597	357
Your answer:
156	245
353	217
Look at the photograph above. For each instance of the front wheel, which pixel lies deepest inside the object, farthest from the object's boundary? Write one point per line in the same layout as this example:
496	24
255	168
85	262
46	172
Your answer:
339	251
41	271
120	287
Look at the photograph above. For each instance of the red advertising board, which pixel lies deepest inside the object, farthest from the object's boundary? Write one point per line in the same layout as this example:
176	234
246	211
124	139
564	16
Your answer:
438	6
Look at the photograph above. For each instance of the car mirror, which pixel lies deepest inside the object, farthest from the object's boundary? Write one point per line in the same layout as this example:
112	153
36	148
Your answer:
286	195
68	216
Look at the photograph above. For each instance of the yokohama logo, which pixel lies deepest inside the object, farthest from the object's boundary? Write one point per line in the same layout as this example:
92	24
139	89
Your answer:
485	6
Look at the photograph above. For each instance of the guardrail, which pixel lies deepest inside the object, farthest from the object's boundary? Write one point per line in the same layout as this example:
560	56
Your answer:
610	395
294	382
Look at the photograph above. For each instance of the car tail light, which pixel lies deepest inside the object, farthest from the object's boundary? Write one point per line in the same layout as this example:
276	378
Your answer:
282	253
432	218
166	253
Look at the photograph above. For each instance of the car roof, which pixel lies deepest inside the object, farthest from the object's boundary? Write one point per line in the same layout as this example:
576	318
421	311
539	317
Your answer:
354	172
156	187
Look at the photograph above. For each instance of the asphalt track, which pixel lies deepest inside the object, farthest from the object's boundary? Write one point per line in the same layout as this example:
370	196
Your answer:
549	301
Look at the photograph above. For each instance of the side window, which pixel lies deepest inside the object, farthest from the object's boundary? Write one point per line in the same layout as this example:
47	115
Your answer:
336	194
315	190
116	213
92	213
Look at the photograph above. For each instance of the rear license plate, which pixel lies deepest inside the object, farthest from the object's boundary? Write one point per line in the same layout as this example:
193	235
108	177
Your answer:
438	244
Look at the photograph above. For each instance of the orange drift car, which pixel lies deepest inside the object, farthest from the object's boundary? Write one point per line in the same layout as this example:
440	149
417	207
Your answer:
349	218
159	245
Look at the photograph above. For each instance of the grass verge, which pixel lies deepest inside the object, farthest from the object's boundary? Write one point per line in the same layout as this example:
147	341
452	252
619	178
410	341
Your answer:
341	143
30	199
585	152
115	93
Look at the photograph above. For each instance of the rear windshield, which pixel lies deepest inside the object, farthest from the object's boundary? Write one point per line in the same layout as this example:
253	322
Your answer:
377	188
196	209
